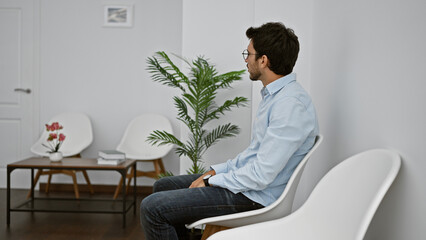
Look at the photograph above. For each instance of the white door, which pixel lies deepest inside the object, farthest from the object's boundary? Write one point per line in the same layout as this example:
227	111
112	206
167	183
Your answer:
17	73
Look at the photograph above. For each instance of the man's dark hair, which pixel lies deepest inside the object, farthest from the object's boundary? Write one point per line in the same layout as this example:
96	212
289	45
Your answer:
278	43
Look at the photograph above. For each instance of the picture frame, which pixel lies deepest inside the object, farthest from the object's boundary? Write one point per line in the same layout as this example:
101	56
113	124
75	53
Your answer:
118	16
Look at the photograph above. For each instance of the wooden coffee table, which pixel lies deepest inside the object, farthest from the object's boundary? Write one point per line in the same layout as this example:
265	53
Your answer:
81	205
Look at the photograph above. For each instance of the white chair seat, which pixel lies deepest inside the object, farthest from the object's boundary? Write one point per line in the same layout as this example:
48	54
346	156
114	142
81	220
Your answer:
144	157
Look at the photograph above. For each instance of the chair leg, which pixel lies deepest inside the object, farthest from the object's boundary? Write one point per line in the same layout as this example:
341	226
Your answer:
118	188
157	167
88	181
74	179
38	174
160	161
212	229
48	182
130	177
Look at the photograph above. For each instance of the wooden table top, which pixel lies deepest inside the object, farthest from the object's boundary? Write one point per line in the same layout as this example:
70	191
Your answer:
68	163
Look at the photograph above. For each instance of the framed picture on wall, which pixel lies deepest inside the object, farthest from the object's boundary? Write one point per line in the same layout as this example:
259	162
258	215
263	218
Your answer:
118	16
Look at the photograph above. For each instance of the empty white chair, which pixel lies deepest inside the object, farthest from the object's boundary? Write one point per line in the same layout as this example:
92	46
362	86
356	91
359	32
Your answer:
135	146
79	135
340	207
280	208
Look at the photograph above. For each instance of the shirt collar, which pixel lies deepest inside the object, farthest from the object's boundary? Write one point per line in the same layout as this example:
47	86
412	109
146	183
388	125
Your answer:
278	84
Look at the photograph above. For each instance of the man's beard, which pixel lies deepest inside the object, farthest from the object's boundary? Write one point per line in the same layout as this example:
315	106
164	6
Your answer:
255	75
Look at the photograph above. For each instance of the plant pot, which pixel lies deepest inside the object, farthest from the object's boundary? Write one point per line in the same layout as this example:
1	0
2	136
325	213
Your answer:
55	156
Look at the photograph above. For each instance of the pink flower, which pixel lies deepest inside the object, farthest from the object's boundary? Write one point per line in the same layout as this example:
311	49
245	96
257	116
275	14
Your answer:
61	137
52	136
55	126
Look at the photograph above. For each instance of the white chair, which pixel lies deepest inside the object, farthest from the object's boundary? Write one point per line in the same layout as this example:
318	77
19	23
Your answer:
79	135
340	207
280	208
134	144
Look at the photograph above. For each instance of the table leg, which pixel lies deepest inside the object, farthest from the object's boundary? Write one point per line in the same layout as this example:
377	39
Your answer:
8	196
32	188
123	175
134	190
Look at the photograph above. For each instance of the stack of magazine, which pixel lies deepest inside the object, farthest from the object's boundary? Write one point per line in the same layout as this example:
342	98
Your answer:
111	157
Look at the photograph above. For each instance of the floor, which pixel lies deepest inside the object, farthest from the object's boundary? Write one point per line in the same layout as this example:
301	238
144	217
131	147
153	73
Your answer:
58	226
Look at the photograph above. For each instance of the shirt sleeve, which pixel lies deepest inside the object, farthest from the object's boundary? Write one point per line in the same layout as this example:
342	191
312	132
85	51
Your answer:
226	166
289	126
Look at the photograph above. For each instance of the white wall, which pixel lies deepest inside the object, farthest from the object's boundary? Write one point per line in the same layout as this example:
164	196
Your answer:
102	71
368	85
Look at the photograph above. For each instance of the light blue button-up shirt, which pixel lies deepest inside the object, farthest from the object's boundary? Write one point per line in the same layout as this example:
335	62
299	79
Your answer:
283	132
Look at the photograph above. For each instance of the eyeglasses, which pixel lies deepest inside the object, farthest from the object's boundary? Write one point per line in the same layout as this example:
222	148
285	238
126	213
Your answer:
246	54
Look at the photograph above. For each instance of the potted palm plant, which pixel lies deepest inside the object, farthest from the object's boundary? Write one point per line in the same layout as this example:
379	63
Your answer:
196	106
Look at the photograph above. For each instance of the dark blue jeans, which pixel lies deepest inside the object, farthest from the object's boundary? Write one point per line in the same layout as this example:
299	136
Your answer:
172	205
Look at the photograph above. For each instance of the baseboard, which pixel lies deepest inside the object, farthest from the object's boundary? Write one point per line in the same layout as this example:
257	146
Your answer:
61	187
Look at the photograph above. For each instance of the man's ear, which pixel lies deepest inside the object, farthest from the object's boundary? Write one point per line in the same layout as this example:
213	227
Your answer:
264	61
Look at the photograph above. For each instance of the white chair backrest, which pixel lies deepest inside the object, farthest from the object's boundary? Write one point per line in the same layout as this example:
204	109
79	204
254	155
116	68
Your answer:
280	208
78	132
348	196
134	143
340	207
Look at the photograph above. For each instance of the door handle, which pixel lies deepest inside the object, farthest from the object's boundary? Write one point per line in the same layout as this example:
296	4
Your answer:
28	91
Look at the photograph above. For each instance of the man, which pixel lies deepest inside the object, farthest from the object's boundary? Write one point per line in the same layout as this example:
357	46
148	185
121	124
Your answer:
283	132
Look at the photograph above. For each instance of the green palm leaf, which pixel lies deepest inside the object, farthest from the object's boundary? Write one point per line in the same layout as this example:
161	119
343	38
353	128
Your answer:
220	132
166	60
160	74
226	106
162	137
226	79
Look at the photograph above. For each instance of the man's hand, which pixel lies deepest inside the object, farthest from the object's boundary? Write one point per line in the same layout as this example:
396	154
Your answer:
200	182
